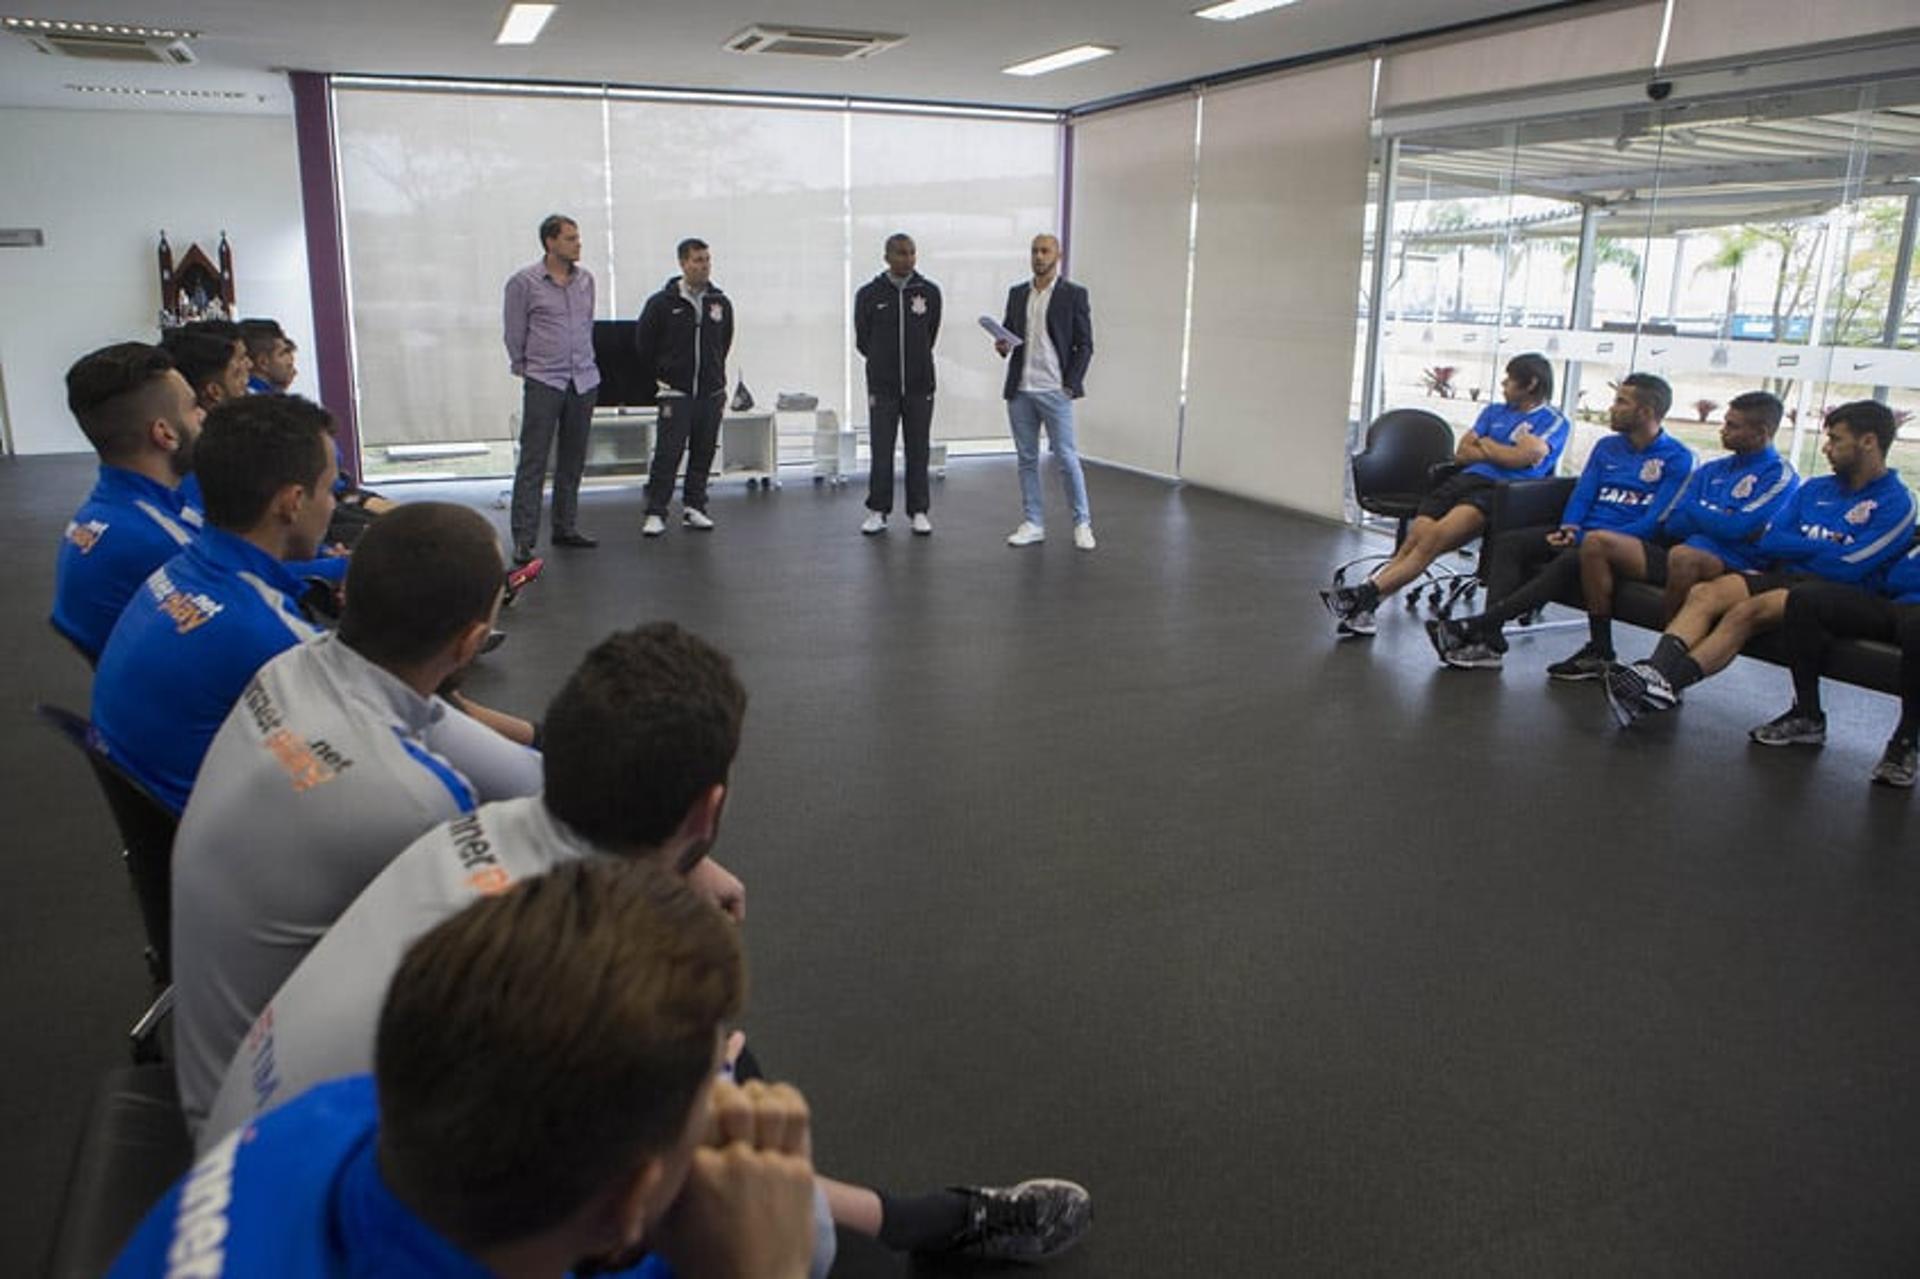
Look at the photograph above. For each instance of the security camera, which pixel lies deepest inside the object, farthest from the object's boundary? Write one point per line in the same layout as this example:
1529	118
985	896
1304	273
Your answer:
1660	90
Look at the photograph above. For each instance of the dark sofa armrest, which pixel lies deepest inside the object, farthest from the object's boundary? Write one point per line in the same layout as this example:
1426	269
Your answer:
1440	472
1529	503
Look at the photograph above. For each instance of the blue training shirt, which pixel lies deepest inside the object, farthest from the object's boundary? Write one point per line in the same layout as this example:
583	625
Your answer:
1902	581
298	1194
328	568
1505	425
1627	490
128	526
1844	535
190	639
1728	503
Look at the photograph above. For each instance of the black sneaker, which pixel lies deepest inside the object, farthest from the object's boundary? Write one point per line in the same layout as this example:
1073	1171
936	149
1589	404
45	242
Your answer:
1590	662
1791	729
1898	766
1033	1221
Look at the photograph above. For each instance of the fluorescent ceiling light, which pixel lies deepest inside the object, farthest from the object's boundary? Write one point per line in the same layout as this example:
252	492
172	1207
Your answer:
56	26
1229	10
1055	61
523	23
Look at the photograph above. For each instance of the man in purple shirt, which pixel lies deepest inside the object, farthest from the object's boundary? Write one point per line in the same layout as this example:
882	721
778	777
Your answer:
549	330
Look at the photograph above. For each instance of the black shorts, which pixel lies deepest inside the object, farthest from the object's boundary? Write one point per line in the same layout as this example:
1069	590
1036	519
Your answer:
1656	561
1459	490
1776	580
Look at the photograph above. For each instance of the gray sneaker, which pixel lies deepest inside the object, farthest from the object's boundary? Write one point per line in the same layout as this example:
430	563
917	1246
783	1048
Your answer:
1473	656
1358	623
1588	663
1033	1221
1626	691
1898	766
1792	729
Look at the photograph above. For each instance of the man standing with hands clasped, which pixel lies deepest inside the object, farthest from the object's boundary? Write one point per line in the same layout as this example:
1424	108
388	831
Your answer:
548	314
896	317
1046	372
685	332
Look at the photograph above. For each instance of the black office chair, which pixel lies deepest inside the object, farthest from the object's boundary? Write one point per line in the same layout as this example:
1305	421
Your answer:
1394	472
1516	504
133	1146
147	828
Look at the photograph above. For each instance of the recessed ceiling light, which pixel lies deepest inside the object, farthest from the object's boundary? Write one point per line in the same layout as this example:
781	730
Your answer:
58	27
523	23
1065	58
1228	10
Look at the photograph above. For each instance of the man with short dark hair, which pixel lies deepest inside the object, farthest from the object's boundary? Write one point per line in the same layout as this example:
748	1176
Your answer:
896	319
212	357
638	748
531	1105
1842	527
143	420
1520	438
684	335
270	353
1629	483
548	315
1820	613
337	755
206	620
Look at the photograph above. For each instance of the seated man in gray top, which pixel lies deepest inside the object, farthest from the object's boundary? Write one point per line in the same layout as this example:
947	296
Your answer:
337	755
638	747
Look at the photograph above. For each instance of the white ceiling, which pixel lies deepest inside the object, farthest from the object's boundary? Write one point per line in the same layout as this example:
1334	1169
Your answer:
953	53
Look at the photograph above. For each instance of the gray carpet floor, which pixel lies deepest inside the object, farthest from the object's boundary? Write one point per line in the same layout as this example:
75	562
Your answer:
1306	957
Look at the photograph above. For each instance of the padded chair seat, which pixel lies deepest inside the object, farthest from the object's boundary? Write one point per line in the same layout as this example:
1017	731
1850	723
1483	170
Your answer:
132	1147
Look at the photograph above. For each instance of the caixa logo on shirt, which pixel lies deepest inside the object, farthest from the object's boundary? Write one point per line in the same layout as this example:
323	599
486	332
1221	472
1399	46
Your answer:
1614	495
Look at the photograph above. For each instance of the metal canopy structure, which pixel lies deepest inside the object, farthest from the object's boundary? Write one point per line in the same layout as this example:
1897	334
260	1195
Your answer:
1662	171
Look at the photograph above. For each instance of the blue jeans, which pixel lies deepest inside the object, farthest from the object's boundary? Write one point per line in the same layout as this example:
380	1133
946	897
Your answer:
1026	411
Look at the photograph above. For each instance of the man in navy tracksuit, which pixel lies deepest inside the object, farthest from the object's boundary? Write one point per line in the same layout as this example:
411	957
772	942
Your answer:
896	318
531	1105
1046	373
685	332
1629	483
1845	527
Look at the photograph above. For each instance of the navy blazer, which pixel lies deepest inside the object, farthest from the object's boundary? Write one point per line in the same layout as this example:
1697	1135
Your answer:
1069	328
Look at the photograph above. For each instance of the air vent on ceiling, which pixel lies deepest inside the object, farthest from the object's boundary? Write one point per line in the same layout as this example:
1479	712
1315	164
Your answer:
807	42
104	41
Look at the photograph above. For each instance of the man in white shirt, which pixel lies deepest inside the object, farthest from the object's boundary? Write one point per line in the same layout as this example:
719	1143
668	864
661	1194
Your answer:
1046	373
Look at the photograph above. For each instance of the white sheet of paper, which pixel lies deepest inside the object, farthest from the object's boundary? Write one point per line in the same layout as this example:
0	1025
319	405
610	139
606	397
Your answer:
998	331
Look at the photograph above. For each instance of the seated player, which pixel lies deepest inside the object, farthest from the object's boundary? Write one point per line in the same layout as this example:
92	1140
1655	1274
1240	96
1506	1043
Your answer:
337	755
141	418
1844	527
206	620
1630	481
638	746
270	353
1818	613
1518	439
532	1106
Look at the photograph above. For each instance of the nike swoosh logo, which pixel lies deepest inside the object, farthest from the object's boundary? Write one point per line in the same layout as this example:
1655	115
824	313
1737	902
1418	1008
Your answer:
1656	350
1858	365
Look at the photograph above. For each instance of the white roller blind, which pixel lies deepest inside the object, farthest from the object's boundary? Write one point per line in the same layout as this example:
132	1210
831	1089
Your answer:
1535	55
1283	183
1132	199
971	193
1713	30
442	197
764	189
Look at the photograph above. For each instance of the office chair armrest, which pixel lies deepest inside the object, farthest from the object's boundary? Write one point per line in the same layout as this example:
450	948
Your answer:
1440	472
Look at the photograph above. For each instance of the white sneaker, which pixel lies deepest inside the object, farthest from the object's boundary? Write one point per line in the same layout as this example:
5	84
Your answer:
874	523
1027	534
922	525
653	527
693	517
1083	537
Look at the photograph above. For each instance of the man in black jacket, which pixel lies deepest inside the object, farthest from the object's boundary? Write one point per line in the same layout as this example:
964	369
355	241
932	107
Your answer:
896	317
685	332
1046	373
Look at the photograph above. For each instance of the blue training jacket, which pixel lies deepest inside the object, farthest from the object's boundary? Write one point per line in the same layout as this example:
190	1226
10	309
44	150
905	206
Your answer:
1727	504
186	645
1504	425
128	526
1627	491
297	1194
328	568
1840	534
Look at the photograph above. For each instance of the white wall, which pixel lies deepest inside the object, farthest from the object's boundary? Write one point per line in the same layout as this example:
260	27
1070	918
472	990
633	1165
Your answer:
102	185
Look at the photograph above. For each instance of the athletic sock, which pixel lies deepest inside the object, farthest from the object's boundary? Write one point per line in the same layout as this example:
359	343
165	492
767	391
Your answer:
919	1223
1600	634
1685	673
1667	655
